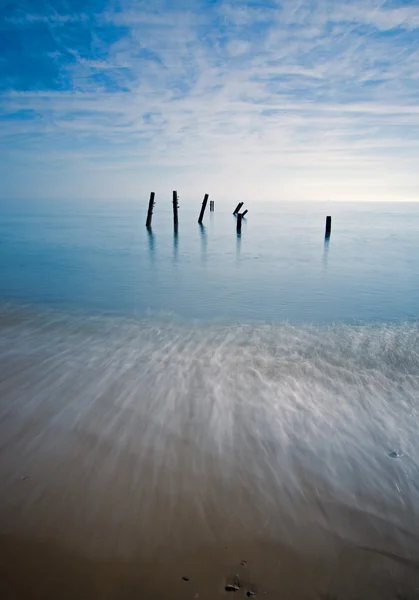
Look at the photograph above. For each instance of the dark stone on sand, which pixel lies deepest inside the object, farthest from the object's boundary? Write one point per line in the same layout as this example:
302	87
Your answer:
250	594
243	563
231	587
185	578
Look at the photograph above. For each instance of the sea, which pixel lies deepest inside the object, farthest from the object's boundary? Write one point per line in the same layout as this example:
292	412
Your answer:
98	258
188	387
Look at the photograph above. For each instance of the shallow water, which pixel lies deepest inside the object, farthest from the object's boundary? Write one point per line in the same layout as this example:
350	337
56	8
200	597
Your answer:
190	429
99	257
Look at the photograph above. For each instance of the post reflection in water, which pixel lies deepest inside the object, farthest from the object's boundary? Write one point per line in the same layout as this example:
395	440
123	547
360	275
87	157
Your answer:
238	244
151	245
175	244
203	241
326	252
211	218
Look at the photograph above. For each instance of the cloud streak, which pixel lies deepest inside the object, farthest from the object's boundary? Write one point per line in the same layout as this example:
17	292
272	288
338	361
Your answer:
266	90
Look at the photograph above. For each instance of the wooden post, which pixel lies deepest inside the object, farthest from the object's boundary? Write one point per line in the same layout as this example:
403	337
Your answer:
204	206
239	222
328	227
238	207
175	210
211	205
150	210
245	213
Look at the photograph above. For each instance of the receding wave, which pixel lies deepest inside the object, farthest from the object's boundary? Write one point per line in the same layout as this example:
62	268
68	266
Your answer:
139	438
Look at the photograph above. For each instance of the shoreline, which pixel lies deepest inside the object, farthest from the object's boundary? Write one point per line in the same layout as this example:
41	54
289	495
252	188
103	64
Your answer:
133	457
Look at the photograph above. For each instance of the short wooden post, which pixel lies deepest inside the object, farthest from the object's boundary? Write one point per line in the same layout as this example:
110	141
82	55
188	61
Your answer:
175	210
238	207
150	210
245	213
204	206
328	227
239	222
211	205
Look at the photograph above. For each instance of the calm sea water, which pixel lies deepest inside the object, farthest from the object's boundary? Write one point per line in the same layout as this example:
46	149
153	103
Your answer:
99	257
262	387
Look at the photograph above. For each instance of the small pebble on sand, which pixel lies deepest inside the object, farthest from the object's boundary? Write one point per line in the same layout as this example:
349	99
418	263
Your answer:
231	587
185	578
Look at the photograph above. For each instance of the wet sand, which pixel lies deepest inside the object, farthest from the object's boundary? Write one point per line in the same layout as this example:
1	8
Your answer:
37	569
119	477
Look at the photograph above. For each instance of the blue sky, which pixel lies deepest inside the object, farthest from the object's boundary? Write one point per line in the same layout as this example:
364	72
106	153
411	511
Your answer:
291	99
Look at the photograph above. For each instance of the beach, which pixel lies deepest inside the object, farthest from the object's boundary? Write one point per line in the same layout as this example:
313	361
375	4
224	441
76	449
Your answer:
209	300
279	459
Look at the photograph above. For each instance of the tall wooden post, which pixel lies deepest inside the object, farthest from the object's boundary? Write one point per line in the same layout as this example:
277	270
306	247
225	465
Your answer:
238	207
150	210
204	206
328	227
175	210
239	222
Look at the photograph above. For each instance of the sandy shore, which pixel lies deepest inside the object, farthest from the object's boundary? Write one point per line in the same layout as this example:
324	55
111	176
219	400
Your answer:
127	466
68	533
39	569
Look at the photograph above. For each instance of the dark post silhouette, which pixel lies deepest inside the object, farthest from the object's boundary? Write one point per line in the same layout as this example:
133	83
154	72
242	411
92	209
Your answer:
150	210
328	227
211	205
238	207
204	206
245	213
239	222
175	210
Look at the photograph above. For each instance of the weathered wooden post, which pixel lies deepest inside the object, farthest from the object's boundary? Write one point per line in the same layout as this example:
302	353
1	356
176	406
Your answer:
150	210
211	205
328	227
175	210
245	213
239	222
238	207
204	206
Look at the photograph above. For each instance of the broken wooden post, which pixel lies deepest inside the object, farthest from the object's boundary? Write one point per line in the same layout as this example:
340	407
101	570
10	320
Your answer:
175	210
150	210
238	207
204	206
239	222
328	227
245	213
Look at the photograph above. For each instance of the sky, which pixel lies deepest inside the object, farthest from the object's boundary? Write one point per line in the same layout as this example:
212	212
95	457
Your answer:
270	100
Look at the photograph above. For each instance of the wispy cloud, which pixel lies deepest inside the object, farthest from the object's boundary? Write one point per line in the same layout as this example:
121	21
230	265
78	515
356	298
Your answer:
294	91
